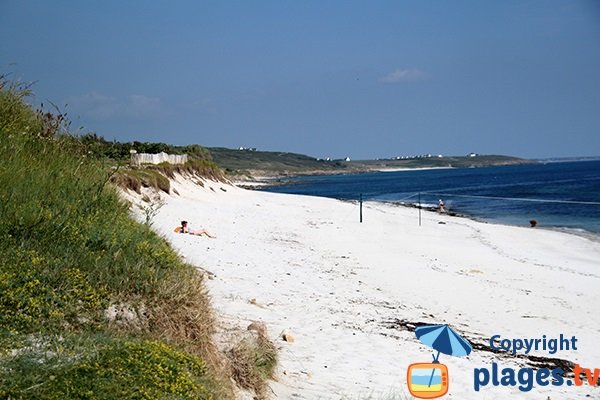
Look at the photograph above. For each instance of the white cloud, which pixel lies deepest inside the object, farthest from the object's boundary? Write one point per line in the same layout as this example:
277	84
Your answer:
100	106
140	106
404	75
94	105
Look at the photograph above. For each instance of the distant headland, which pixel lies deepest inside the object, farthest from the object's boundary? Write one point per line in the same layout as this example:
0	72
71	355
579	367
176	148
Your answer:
256	163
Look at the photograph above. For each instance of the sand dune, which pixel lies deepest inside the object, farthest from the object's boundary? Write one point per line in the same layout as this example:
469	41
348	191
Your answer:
346	289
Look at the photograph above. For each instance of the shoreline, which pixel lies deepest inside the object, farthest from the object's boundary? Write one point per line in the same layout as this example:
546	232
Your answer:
304	263
430	207
580	232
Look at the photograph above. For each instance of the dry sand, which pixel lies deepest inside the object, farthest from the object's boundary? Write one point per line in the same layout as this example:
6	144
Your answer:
339	286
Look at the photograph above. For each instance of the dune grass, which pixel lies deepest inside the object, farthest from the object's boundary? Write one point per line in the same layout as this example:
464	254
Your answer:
69	253
157	176
253	361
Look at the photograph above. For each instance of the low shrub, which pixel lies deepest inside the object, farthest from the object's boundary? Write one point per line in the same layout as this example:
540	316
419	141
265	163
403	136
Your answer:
253	361
103	367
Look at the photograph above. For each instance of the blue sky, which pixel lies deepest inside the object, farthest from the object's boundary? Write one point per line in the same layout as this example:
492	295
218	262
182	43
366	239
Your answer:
325	78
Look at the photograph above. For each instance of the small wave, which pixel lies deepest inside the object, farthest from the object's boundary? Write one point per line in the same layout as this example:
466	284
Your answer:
595	237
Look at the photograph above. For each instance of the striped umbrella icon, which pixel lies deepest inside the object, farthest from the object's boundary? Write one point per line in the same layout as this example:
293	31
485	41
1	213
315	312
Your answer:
443	339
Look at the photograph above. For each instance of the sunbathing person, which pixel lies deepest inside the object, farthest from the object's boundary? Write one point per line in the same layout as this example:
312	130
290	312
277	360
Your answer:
203	232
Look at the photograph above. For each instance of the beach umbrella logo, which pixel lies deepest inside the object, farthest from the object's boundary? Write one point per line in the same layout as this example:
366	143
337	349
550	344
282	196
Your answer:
431	380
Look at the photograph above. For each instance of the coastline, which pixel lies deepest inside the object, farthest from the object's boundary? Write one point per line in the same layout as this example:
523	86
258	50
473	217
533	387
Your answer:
256	177
305	263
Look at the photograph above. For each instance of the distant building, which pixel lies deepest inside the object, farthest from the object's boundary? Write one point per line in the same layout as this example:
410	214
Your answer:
472	154
347	159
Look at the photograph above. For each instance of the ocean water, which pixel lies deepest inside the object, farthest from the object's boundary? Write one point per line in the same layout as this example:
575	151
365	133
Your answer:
558	195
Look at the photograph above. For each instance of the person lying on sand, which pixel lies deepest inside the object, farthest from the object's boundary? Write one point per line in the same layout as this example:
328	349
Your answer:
203	232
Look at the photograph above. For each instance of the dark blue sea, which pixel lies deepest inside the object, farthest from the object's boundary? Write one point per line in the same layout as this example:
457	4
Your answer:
563	195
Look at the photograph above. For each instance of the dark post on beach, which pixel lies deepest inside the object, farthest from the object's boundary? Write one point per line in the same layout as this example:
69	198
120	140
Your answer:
419	208
360	202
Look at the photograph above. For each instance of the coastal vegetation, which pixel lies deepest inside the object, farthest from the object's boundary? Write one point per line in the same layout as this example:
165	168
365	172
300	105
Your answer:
199	164
92	303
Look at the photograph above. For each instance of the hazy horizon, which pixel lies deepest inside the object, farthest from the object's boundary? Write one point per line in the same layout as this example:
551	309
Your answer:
331	79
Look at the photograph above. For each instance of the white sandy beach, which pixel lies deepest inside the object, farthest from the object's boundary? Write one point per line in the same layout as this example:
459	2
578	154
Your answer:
337	284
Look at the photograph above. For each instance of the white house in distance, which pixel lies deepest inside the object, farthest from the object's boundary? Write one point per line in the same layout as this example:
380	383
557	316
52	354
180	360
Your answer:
347	159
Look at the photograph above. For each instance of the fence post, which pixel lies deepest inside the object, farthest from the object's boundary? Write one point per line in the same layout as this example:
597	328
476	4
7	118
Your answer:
132	155
360	201
419	208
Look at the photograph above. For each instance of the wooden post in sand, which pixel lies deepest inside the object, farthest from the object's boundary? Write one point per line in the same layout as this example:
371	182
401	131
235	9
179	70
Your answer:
419	208
360	201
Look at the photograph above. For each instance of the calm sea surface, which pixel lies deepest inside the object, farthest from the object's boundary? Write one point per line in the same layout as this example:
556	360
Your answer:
557	195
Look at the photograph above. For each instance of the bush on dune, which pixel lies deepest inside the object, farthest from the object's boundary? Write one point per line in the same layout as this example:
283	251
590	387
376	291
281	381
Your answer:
253	361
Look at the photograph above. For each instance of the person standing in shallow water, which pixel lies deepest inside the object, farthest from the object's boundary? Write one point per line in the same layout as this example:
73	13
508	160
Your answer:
202	232
441	206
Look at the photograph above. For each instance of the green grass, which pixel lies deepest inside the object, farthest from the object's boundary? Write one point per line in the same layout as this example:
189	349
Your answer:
68	252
